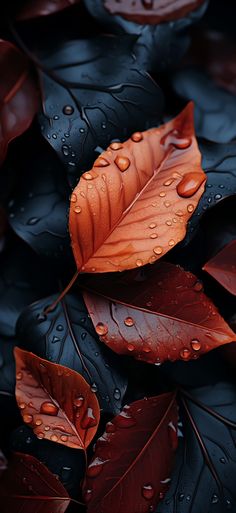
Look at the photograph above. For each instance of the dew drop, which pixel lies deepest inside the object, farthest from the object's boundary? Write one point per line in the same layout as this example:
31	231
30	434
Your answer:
218	196
73	198
19	375
129	322
88	419
153	236
87	495
54	136
77	209
139	262
152	225
181	497
167	204
33	220
94	388
82	130
179	213
38	422
162	194
130	347
22	406
68	110
122	163
147	491
158	250
198	286
101	329
59	327
101	162
55	340
168	182
27	419
190	184
49	408
87	176
171	242
214	499
168	222
190	208
116	394
78	401
116	146
65	150
196	345
185	353
40	435
64	438
146	349
173	435
54	438
47	428
137	136
223	460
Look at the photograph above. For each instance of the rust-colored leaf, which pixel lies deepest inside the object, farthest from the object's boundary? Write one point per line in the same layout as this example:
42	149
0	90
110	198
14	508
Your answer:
27	486
18	95
152	12
164	315
133	206
131	467
223	267
55	401
43	8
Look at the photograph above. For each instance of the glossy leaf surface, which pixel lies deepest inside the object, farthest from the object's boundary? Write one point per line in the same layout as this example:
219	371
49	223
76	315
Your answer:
223	267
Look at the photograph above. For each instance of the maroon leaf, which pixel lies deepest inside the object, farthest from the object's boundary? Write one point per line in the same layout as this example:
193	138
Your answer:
43	8
27	486
18	95
163	315
133	459
223	267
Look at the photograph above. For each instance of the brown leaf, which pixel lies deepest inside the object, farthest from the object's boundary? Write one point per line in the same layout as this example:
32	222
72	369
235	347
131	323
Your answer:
133	206
18	95
223	267
43	8
133	459
27	486
55	401
152	12
163	315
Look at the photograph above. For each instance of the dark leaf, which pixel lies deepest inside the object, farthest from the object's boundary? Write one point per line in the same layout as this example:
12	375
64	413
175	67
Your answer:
95	92
43	8
7	366
27	485
65	409
67	336
222	267
3	463
204	477
215	109
18	95
132	462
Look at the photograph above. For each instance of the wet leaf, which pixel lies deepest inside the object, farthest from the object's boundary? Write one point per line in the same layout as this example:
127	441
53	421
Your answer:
150	11
222	267
66	336
126	474
133	206
95	92
163	315
215	109
203	478
18	95
43	8
65	410
27	485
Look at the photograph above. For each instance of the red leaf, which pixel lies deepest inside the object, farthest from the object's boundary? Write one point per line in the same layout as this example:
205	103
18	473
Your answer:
163	315
28	486
133	459
151	12
133	206
43	8
18	95
55	401
223	267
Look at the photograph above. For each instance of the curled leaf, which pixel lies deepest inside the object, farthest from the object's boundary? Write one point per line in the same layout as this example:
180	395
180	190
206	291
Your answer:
133	205
164	315
27	485
223	267
133	459
64	409
18	95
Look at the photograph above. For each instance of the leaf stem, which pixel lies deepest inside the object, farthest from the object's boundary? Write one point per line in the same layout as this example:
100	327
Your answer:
53	305
211	412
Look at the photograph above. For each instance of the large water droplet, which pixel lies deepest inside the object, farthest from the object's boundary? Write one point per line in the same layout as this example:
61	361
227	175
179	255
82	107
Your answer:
101	329
101	162
48	408
122	163
116	146
147	491
77	209
27	419
130	347
54	438
196	345
129	321
78	401
190	184
158	250
68	110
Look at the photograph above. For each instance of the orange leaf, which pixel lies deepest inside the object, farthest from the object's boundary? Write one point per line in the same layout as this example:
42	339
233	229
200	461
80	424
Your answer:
163	315
55	401
133	206
223	267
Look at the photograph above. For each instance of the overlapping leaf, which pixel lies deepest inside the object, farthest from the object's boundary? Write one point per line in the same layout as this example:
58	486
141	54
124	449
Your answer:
164	315
133	206
55	401
223	267
95	91
133	459
66	336
27	485
18	95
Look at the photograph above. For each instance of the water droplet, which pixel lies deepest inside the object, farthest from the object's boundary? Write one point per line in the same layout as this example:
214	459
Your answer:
22	406
83	335
124	420
59	327
101	162
78	401
122	163
158	250
28	440
56	117
101	329
82	130
223	460
153	236
87	495
190	184
77	210
181	497
88	419
33	220
162	194
196	345
171	242
228	503
88	176
198	286
49	408
40	435
214	499
19	375
27	419
116	146
168	222
94	387
218	196
146	349
167	204
182	144
173	436
179	213
54	438
116	394
73	197
152	225
190	208
139	262
129	322
188	498
130	347
54	136
38	422
47	428
137	136
68	110
65	150
147	491
64	438
168	182
185	353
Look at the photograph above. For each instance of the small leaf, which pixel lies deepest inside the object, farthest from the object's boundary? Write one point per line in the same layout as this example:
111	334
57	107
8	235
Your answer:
133	206
223	267
133	459
18	95
43	8
95	91
66	336
150	11
161	316
27	485
64	409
